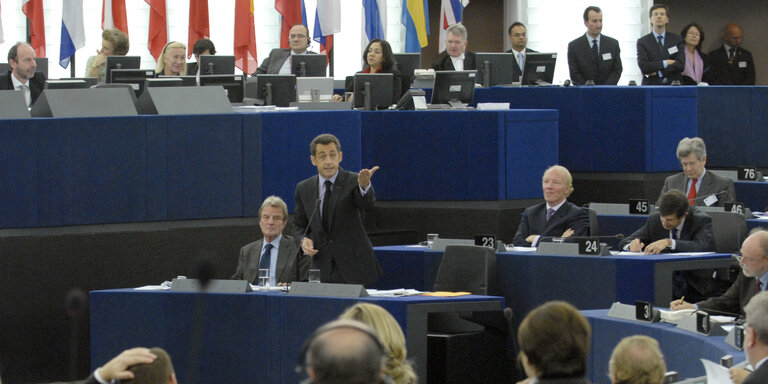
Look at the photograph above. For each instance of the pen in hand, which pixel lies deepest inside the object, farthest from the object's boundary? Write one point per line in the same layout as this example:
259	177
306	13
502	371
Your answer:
681	300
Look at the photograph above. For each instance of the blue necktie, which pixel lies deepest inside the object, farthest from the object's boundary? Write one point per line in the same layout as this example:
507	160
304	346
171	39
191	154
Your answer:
673	232
266	257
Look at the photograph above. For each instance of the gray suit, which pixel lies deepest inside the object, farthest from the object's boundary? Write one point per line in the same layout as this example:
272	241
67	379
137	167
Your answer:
710	185
290	265
277	57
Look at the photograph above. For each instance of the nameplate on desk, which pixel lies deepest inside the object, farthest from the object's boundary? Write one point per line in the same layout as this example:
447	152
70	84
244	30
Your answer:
747	173
701	323
639	207
610	208
735	337
327	289
213	286
439	244
641	311
567	249
734	207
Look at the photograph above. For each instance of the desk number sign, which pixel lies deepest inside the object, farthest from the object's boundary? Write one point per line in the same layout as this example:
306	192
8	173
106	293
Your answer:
488	241
734	207
639	207
643	310
589	246
747	173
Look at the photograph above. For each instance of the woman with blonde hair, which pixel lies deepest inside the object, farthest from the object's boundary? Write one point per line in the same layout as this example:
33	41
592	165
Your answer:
391	336
173	60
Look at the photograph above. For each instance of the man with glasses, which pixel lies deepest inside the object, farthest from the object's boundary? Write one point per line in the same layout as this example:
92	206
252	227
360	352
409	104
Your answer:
276	252
702	187
752	279
278	60
518	36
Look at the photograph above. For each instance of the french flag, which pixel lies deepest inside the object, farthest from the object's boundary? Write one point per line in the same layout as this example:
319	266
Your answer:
450	13
72	30
327	22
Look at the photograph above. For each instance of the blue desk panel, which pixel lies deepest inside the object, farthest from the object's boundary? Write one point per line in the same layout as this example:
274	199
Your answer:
682	349
753	194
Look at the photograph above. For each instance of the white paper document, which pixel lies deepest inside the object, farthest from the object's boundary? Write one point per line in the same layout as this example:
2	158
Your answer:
716	373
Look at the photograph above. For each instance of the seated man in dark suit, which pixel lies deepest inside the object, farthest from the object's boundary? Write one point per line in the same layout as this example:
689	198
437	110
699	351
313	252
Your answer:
201	47
755	341
518	36
276	252
555	217
752	279
702	187
22	76
278	60
659	53
594	56
456	56
731	64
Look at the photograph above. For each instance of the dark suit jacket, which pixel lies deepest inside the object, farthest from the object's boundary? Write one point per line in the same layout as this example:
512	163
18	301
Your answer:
273	62
516	70
760	376
696	235
721	72
291	265
36	85
444	63
711	184
650	57
735	298
345	243
534	222
583	67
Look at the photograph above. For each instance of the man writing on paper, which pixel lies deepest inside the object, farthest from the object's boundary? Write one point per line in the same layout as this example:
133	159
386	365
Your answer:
328	217
594	56
275	252
555	217
702	187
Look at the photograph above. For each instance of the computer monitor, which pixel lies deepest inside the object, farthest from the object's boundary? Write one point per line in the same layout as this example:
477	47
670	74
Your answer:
42	65
216	65
233	85
186	81
121	62
539	68
454	87
278	90
65	84
373	90
408	62
134	77
309	65
495	68
5	67
319	87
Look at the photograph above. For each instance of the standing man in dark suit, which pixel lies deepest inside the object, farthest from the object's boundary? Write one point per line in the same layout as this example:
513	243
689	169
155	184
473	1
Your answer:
731	64
329	209
702	187
276	252
22	76
518	36
456	56
278	60
657	52
594	56
555	217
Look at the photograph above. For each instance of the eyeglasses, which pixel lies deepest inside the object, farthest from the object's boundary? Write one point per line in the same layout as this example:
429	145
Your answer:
299	35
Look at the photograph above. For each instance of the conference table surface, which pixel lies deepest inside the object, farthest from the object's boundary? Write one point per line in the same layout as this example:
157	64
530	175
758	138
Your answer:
246	337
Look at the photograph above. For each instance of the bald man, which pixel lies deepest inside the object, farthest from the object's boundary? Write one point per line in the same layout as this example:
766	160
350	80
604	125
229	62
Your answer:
731	64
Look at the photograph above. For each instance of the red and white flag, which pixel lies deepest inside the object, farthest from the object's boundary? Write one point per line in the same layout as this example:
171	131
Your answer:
34	11
113	15
245	36
198	23
158	28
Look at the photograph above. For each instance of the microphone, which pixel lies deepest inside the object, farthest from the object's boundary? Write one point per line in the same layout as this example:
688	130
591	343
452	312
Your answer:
704	197
550	238
314	210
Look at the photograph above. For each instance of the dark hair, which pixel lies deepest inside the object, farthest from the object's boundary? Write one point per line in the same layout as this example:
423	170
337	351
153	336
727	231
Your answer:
309	38
673	202
386	51
591	8
13	53
701	33
324	139
515	24
203	45
118	39
157	371
657	6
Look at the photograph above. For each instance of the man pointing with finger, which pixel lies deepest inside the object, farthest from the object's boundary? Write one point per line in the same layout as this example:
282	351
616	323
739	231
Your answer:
335	237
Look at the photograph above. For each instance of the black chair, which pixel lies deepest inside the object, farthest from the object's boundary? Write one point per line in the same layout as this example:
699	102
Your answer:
729	230
594	226
467	268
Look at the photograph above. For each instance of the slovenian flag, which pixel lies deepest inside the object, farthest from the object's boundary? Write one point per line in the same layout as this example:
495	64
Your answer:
72	30
374	20
450	13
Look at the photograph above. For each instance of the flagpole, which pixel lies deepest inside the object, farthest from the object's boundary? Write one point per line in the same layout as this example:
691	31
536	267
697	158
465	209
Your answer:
72	65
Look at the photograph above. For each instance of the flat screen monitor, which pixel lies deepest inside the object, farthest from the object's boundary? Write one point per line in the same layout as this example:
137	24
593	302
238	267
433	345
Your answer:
309	65
65	84
5	67
42	65
186	81
539	68
216	65
408	62
495	68
134	77
121	62
233	85
278	90
373	90
454	87
321	87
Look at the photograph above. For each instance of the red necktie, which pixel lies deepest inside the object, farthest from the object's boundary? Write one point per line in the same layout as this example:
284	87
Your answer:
692	192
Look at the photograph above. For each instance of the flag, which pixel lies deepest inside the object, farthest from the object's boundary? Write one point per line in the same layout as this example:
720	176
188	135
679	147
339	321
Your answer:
450	13
293	13
415	19
34	11
198	23
113	15
158	28
327	22
72	30
245	36
374	20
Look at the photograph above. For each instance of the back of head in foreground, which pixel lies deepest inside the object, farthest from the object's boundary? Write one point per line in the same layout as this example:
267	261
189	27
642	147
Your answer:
345	352
554	342
159	371
637	360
